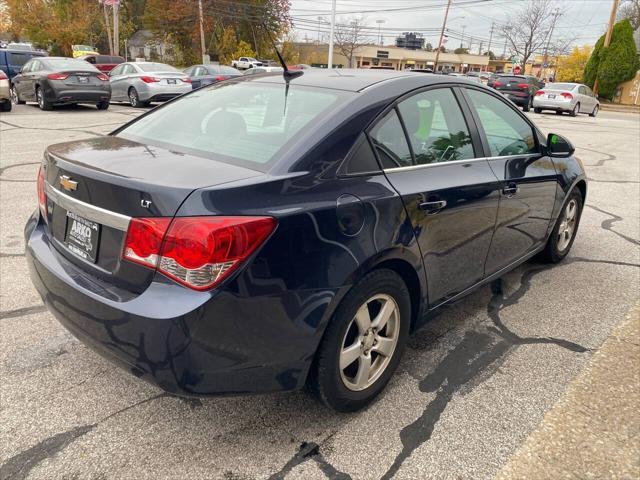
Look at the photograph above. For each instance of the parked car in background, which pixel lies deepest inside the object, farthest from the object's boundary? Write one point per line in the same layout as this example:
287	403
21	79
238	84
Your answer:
485	75
422	70
11	61
566	97
78	51
5	93
104	63
243	63
255	236
492	78
520	89
51	81
257	70
208	74
141	83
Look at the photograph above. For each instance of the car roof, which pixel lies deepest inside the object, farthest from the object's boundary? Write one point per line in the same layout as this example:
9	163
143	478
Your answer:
354	80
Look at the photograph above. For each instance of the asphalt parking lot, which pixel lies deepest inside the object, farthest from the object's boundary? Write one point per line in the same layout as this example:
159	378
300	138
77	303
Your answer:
472	388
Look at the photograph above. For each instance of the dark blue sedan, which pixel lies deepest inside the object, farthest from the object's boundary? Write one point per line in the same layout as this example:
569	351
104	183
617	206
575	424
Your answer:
252	236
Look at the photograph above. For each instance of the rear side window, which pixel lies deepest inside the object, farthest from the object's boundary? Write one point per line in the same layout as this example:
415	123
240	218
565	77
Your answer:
436	127
245	123
390	142
19	59
506	131
362	160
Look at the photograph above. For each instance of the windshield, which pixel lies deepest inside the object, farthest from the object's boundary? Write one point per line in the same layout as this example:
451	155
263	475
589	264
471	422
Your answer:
240	123
156	67
560	86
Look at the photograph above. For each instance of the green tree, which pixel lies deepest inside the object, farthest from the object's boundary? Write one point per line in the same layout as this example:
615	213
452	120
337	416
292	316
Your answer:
614	64
461	50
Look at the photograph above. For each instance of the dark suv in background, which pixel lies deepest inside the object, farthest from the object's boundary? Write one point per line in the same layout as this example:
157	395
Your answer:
12	60
520	89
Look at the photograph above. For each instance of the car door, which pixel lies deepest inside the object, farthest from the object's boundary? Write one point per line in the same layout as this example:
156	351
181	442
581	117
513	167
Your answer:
117	82
586	100
528	178
430	154
24	81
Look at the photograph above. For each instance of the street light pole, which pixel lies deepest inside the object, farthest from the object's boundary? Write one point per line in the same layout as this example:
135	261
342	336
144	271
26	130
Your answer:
331	30
607	38
380	22
444	25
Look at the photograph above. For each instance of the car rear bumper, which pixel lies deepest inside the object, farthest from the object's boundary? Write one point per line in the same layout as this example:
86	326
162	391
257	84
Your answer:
517	99
5	91
551	104
78	95
185	342
150	92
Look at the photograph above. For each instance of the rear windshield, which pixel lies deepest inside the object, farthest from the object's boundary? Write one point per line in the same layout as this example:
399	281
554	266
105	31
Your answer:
156	67
506	78
242	123
68	63
560	86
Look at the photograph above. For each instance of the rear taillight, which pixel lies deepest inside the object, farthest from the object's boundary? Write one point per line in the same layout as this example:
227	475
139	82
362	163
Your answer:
58	76
566	95
147	79
497	84
540	92
3	76
220	78
187	80
523	85
103	77
42	196
198	252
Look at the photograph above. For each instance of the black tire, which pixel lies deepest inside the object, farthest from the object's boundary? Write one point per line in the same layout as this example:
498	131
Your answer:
6	106
325	378
551	252
527	106
43	103
537	110
134	99
575	110
14	96
103	105
558	112
595	111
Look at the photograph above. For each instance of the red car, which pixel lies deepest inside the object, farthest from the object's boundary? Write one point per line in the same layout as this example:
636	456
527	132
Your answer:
104	63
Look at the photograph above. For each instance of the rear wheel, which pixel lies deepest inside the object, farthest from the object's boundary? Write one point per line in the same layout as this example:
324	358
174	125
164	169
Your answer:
595	111
134	99
575	110
537	110
14	96
43	103
363	343
5	106
527	106
565	229
103	105
558	112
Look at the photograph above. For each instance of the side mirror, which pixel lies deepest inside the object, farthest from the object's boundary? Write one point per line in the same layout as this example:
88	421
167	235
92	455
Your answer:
558	146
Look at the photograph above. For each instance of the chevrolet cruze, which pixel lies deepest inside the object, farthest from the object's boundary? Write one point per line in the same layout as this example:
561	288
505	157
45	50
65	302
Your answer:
265	232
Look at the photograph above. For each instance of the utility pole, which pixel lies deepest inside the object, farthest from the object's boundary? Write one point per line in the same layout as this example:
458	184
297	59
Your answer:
116	28
462	36
490	37
444	25
480	47
202	46
380	22
331	31
545	58
108	27
607	38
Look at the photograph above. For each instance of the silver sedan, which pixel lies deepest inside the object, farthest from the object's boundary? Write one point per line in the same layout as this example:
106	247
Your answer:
574	98
141	83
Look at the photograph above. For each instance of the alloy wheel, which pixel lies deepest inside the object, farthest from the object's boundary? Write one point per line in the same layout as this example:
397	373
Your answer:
369	342
567	225
14	95
40	98
133	98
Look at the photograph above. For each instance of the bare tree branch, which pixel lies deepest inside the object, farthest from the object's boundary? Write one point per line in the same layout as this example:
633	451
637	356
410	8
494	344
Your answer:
630	9
349	37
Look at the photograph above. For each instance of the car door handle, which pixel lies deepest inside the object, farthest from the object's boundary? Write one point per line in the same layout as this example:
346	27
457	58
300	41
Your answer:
432	207
510	190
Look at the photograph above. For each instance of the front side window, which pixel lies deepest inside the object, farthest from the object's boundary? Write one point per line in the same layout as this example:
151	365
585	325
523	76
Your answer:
436	127
506	131
390	142
244	123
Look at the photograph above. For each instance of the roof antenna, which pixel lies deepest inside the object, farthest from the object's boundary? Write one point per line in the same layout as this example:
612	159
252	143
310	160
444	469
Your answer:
287	74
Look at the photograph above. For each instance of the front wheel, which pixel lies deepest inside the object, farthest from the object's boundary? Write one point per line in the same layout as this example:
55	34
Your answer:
363	343
527	106
565	229
595	111
537	110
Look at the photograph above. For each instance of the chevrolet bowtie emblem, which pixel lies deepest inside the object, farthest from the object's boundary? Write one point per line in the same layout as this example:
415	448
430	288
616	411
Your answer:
67	183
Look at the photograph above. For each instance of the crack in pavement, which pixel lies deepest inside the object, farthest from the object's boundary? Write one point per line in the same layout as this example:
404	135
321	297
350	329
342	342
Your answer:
70	129
608	224
310	451
20	465
11	255
607	157
475	359
613	181
21	312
